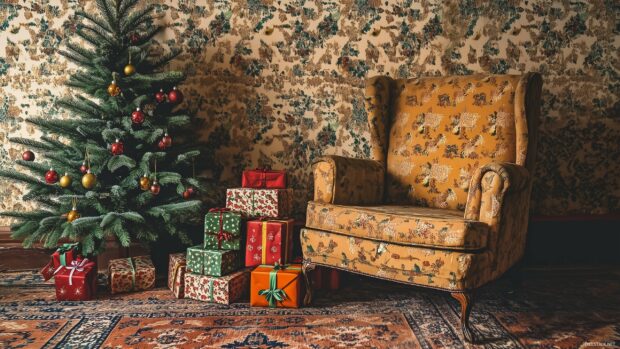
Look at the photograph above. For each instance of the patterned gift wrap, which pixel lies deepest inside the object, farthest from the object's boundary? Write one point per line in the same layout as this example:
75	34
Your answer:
176	274
212	262
278	286
131	274
269	242
260	202
222	230
263	178
222	290
76	281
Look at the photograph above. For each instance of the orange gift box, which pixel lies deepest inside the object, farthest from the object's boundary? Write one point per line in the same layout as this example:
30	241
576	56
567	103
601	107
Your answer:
277	286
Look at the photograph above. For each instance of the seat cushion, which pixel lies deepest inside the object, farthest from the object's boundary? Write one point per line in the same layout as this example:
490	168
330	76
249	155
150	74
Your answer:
423	266
406	225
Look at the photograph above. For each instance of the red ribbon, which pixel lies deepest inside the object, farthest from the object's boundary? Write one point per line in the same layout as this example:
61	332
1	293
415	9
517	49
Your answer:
221	235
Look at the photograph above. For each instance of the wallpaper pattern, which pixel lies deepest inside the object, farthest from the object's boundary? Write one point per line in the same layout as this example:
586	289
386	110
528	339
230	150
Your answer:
280	83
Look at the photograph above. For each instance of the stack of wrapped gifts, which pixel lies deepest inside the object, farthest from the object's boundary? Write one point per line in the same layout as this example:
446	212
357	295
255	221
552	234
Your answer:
247	247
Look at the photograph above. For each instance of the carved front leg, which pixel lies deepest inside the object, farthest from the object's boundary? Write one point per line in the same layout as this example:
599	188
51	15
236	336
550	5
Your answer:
466	300
306	268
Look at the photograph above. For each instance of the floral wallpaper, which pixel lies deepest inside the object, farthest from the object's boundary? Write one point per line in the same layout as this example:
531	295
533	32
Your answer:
280	83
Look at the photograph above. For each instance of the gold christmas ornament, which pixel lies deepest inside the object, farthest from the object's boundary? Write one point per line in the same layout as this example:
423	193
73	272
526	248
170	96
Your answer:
65	181
129	69
89	180
145	182
113	89
73	214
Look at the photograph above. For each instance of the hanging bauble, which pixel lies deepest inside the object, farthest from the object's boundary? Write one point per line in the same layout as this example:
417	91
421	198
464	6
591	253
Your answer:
89	180
117	147
161	145
51	176
28	156
129	69
160	96
155	188
134	38
186	195
113	89
65	181
175	96
73	214
137	117
145	182
191	190
83	168
167	140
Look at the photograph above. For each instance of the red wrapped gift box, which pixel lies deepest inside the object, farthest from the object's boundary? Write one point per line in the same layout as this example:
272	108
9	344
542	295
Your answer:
269	241
63	256
263	178
77	281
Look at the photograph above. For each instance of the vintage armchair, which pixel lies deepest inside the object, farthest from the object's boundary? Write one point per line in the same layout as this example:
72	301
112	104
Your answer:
444	201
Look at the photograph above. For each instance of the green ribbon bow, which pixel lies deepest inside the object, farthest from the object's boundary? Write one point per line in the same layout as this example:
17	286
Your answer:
63	249
274	294
133	274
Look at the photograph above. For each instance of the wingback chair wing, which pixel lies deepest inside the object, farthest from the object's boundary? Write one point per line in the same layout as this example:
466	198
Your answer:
444	200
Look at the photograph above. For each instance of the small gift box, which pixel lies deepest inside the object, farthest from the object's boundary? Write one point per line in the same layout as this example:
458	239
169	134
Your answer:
222	290
63	256
76	281
176	274
131	274
269	242
222	229
260	202
263	178
276	286
212	262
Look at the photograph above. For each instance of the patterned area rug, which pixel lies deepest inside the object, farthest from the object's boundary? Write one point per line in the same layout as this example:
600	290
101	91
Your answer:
552	309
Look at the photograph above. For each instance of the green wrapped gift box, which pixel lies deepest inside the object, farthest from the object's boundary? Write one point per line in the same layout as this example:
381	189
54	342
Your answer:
222	230
212	262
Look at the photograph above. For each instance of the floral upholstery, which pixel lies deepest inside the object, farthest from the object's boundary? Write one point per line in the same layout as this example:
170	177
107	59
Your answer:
406	225
444	201
438	268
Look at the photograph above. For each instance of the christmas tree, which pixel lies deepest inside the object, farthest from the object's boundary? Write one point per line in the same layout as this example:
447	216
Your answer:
112	169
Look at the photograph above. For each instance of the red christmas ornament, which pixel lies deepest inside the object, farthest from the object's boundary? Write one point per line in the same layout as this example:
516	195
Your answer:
160	96
117	147
28	156
155	188
175	96
167	140
187	195
83	168
51	176
133	38
191	190
161	145
137	117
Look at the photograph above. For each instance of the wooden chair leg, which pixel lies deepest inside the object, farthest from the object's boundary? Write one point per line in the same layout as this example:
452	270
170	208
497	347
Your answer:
306	267
466	300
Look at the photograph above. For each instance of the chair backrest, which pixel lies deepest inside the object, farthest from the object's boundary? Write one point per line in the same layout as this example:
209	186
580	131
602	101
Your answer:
442	128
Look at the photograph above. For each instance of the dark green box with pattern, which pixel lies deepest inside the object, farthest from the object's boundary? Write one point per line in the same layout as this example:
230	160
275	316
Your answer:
212	262
227	238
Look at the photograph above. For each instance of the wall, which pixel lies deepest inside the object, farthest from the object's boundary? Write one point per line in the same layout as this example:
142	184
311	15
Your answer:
280	82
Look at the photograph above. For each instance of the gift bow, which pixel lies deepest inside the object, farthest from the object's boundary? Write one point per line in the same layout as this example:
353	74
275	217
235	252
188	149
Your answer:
221	234
80	266
274	294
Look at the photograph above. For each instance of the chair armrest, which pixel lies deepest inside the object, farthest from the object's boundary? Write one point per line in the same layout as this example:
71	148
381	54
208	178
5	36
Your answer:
488	187
348	181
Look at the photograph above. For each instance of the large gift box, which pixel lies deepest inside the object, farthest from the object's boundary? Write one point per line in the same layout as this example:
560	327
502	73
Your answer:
269	242
63	256
76	281
223	289
176	274
212	262
131	274
260	202
277	286
263	178
222	229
